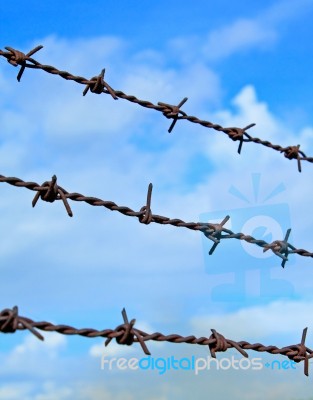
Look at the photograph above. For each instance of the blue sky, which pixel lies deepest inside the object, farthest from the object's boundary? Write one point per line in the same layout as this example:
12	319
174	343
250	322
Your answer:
237	63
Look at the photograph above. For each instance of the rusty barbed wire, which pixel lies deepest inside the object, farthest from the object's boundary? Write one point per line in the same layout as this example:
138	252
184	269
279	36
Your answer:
50	191
98	85
127	334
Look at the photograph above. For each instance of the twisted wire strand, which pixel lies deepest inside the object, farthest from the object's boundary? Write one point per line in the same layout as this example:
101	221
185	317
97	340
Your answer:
127	334
97	85
50	191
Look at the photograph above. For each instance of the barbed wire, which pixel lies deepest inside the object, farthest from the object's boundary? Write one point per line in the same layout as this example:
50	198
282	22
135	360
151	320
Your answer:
50	191
127	334
98	85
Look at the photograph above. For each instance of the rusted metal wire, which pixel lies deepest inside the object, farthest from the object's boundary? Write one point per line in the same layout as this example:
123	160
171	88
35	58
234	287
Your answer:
127	334
49	191
98	85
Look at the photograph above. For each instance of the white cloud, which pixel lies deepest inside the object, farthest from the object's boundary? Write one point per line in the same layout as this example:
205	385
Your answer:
93	55
15	392
251	110
112	350
259	32
241	35
80	390
33	356
260	321
182	387
286	10
306	137
52	343
247	109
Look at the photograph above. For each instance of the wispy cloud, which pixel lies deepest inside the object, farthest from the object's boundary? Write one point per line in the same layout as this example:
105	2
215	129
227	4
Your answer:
243	34
260	322
258	32
33	357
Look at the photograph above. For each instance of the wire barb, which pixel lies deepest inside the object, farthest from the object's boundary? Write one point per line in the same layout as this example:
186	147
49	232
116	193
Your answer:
293	152
127	334
222	344
280	248
171	111
303	352
238	134
97	85
18	58
146	216
215	233
10	321
49	191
